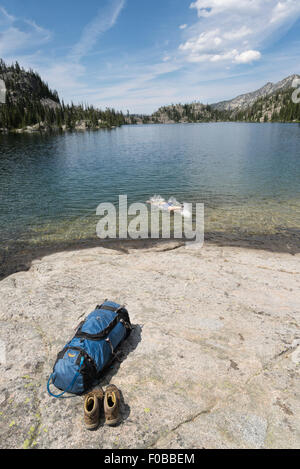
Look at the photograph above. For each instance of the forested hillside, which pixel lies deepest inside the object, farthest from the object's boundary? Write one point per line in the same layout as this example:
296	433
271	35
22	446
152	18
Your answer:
278	107
31	103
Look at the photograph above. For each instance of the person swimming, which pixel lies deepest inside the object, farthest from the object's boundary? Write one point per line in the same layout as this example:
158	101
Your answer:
162	204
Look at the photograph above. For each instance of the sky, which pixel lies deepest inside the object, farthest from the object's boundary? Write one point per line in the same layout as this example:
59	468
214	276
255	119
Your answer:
138	55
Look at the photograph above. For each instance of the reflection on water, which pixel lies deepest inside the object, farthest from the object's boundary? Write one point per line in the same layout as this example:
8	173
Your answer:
247	175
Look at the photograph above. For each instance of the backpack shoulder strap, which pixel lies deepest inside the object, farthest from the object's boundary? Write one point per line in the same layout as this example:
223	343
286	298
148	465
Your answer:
58	396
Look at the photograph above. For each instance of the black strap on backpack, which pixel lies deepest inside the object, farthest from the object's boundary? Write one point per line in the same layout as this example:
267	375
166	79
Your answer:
122	316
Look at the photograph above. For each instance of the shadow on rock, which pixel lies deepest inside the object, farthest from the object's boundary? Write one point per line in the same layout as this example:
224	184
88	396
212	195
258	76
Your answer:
126	347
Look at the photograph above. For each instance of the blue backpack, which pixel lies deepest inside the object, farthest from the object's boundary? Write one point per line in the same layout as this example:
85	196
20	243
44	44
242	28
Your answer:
80	364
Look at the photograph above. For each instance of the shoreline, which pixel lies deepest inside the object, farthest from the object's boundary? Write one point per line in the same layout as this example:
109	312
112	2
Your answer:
35	130
54	130
19	257
31	130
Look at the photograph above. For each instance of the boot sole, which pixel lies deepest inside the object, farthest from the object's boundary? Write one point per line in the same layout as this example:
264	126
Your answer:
112	423
92	427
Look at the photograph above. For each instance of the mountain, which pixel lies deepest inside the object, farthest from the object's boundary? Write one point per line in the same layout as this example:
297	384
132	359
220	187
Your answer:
245	101
272	102
277	107
180	113
194	112
31	106
22	85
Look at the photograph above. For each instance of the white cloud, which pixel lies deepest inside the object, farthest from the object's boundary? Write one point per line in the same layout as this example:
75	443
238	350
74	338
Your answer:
140	88
214	45
233	55
206	8
67	74
247	57
105	20
183	26
207	41
236	30
285	10
19	34
238	34
5	16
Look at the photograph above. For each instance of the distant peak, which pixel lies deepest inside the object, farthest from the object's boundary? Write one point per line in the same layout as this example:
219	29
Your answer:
245	100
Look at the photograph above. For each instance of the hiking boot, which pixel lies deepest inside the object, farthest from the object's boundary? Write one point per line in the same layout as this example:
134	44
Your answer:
92	404
112	399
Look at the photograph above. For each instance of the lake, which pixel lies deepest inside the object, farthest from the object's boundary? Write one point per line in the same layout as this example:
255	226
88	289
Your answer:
247	175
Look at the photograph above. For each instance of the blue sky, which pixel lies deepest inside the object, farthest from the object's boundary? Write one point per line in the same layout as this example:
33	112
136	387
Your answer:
141	54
